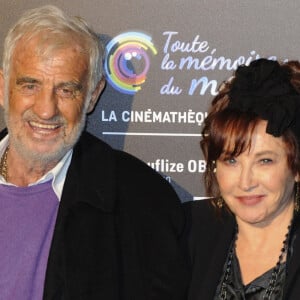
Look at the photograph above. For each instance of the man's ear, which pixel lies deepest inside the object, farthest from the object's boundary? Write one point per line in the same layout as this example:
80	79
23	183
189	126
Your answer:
1	88
96	93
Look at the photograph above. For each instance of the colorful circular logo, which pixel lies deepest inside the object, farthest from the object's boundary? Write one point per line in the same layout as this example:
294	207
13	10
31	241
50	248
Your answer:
127	61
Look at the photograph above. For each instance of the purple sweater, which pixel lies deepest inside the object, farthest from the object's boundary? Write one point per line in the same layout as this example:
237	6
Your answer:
27	218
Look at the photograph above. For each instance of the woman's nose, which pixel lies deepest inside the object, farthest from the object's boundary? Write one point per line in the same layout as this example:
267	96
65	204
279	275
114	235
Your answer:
247	179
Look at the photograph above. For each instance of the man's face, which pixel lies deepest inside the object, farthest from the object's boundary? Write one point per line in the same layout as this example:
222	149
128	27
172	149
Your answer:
45	111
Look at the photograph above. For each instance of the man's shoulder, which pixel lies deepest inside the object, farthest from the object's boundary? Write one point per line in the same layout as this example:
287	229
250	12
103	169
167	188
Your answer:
89	143
127	167
137	185
95	148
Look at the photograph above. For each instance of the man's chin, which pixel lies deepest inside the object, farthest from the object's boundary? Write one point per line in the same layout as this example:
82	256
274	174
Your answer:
43	154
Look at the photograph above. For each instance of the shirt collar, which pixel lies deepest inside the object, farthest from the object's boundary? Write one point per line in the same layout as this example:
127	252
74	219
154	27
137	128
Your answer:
57	175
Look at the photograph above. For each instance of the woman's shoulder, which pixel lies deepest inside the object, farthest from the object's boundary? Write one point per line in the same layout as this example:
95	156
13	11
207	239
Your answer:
203	220
203	211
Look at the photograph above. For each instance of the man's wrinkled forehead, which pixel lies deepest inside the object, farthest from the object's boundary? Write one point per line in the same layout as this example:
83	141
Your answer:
47	43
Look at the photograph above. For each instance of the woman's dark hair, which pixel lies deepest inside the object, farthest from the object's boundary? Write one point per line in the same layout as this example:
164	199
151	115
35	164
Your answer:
229	126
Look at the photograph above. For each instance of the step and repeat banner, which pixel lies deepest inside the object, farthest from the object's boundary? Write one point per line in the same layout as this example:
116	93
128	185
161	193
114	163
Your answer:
164	62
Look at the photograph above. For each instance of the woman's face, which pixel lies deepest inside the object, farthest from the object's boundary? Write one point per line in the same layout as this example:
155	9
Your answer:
257	185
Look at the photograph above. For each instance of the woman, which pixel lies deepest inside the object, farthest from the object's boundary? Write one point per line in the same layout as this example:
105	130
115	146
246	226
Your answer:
244	241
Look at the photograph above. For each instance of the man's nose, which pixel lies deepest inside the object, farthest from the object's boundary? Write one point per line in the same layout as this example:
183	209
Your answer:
45	105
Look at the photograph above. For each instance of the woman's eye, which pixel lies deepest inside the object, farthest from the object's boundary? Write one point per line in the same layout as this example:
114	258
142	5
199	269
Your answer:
265	161
230	160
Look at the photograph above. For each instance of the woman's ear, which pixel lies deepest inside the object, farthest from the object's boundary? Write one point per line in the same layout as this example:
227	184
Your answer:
96	93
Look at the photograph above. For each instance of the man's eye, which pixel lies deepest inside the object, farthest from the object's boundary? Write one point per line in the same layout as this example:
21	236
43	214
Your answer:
66	93
29	89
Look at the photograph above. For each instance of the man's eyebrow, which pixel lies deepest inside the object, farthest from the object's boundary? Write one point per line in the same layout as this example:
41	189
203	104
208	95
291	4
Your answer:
72	84
75	85
22	80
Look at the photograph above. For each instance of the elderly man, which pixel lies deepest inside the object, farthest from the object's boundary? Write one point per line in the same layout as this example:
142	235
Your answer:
78	220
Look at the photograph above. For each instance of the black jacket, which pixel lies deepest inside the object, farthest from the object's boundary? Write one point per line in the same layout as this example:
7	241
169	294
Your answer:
208	240
117	231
